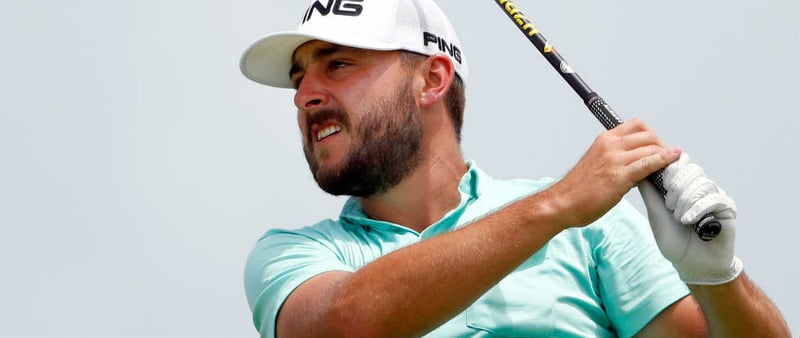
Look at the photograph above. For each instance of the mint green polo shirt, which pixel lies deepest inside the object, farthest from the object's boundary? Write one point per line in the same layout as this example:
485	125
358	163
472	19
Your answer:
607	279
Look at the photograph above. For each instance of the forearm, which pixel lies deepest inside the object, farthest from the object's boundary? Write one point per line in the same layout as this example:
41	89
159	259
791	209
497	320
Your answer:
739	309
415	289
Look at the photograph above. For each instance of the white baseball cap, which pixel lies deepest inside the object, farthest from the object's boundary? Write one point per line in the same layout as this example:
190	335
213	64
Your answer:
417	26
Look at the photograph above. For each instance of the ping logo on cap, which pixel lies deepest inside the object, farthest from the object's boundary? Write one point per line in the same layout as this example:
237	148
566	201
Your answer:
443	45
338	7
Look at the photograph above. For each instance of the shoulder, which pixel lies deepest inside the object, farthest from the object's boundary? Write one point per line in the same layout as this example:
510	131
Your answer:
324	237
282	259
325	229
294	253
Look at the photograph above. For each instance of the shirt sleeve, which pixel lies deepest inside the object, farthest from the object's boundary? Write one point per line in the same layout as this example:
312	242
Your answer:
280	261
636	281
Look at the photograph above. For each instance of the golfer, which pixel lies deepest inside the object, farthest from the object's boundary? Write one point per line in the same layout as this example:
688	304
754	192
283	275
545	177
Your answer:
428	244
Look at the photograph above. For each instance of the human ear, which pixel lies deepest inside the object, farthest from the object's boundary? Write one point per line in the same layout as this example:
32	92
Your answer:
437	75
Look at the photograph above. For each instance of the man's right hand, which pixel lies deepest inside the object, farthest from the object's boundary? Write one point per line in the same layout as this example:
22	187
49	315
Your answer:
616	161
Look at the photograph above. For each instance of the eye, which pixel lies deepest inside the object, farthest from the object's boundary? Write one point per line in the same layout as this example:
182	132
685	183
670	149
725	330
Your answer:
337	64
296	80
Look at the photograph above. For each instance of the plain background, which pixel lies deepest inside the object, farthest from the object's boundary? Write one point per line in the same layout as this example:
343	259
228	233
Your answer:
139	166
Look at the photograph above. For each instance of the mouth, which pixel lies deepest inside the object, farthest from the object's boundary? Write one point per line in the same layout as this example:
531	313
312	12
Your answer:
325	132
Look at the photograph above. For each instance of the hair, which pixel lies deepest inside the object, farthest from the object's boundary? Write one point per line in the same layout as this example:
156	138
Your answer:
455	98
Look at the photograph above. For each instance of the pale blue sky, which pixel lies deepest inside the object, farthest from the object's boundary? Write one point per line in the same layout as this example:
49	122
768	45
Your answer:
139	166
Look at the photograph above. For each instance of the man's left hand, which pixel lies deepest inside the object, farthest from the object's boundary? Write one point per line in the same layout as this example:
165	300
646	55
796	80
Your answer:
690	196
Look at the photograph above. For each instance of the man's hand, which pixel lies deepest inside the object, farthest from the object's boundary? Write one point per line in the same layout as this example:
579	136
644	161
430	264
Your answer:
616	161
690	195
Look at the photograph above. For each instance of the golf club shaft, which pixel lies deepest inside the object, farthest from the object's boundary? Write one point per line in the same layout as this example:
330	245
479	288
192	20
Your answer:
708	227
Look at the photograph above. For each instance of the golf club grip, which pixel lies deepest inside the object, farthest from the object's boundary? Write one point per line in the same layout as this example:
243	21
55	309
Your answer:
708	227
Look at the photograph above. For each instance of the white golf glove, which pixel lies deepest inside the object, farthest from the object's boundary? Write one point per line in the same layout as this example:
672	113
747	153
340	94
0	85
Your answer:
690	195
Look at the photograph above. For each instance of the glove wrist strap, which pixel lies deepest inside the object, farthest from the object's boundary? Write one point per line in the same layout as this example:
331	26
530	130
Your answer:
713	277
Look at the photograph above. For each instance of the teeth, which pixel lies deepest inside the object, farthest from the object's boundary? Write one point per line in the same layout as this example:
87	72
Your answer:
328	132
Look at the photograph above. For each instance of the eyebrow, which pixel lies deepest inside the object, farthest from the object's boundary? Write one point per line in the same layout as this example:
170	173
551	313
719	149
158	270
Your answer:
318	54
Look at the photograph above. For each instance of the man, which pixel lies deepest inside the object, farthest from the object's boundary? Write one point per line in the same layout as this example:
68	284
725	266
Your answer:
431	245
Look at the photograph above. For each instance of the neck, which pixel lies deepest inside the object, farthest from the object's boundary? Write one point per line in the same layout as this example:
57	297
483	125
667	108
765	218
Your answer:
428	193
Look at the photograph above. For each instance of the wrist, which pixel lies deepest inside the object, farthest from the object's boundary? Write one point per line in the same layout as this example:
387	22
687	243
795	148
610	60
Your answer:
712	277
545	210
551	208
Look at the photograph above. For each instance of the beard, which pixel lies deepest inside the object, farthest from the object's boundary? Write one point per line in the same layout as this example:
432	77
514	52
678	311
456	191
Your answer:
385	148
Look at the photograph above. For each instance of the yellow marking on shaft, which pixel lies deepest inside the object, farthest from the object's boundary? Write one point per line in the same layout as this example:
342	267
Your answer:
516	14
547	47
532	30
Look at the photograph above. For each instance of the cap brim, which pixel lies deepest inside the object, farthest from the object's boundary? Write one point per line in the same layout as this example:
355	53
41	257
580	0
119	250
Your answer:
269	60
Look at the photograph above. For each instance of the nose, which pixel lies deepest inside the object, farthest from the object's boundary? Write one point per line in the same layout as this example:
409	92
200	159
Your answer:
310	93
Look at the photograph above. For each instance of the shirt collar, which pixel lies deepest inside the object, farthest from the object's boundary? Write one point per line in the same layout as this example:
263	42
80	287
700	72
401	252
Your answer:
472	184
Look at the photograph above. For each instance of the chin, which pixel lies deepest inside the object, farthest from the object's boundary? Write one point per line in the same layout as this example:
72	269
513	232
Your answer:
328	166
